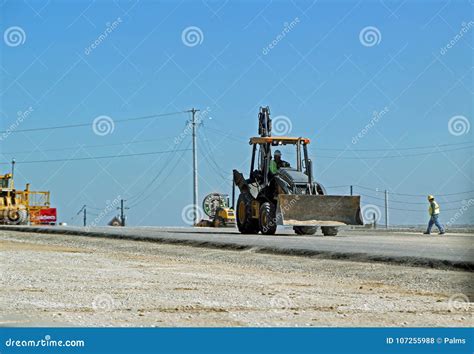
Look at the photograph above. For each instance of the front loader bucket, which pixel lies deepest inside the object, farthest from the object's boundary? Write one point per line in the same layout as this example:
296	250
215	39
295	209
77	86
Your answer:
319	210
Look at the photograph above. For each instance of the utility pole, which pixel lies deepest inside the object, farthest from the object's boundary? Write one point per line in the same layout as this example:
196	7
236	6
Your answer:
122	217
83	210
122	212
195	168
386	209
233	193
13	173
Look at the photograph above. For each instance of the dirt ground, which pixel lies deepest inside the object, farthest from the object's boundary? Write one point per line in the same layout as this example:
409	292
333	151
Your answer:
83	281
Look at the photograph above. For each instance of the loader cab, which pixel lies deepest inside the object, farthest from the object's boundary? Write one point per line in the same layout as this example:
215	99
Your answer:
5	181
295	152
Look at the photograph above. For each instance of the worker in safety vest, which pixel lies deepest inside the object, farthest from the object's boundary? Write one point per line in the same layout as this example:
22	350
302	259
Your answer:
434	216
276	163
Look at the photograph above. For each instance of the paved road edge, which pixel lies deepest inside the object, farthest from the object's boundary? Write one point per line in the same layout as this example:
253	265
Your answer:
357	257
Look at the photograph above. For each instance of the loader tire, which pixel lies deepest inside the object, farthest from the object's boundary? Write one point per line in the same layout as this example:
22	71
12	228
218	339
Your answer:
245	223
329	230
16	217
305	230
267	218
218	222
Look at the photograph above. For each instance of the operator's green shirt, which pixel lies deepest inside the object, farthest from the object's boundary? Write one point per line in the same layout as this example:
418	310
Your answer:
273	166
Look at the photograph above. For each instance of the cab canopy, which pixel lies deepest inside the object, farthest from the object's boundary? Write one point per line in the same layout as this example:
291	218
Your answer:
278	140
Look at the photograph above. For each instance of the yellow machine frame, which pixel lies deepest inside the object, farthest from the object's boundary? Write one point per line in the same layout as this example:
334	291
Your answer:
31	201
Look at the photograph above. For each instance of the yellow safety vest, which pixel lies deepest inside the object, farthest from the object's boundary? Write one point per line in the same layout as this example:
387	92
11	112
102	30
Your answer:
434	208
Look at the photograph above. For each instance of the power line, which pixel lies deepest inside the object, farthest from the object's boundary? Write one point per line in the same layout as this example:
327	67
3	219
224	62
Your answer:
403	209
150	192
390	156
147	187
98	209
441	195
210	157
86	146
153	180
405	202
97	157
402	194
239	137
415	195
396	149
78	125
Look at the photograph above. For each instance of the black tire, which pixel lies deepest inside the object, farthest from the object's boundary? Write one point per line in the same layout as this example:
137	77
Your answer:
16	217
305	230
329	230
267	218
219	222
245	223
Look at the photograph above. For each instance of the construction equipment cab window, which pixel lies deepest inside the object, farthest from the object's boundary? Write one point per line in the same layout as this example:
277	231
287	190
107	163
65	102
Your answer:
277	162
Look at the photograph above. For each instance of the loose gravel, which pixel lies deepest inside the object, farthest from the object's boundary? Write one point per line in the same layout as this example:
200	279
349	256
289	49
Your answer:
57	280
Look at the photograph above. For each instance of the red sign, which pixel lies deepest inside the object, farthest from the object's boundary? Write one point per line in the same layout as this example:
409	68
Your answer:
45	216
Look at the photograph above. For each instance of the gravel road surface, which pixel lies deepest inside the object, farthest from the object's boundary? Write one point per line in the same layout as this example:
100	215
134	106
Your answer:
52	279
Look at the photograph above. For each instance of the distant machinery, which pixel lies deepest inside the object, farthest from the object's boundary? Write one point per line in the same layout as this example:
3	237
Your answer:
216	207
21	207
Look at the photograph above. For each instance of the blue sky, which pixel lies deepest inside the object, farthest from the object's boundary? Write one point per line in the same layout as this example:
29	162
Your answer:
322	77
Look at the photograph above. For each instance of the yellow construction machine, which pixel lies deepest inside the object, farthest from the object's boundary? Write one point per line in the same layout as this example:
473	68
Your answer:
279	193
21	207
216	207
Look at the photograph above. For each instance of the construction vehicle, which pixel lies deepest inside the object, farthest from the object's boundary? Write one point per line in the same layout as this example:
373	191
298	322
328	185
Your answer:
21	207
216	207
116	221
290	196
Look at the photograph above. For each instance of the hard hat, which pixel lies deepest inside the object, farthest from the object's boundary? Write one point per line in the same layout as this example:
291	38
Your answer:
277	152
430	197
